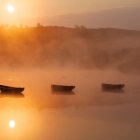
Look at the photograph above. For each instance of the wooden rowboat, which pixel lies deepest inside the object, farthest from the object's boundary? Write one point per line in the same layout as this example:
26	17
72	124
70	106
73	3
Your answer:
112	87
9	89
62	88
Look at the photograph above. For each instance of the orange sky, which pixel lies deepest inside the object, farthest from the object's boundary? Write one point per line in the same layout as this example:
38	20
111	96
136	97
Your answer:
46	8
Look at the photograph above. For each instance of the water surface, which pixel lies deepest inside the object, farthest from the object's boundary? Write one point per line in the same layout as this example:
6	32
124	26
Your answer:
87	115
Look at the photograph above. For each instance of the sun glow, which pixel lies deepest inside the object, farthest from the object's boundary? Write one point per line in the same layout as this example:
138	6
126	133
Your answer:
12	123
10	8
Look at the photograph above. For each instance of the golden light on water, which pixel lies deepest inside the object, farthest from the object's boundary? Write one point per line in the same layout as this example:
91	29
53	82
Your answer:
10	8
12	123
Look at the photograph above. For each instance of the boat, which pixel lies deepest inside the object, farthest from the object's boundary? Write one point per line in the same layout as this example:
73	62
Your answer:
112	87
9	89
62	88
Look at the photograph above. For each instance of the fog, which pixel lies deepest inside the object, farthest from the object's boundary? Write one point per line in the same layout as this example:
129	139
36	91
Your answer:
35	58
77	48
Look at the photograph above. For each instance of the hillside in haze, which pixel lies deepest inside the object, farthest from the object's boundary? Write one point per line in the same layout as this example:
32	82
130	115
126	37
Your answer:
125	18
79	47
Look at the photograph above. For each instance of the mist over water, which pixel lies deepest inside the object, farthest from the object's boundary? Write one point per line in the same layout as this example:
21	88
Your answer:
88	90
42	115
77	48
35	58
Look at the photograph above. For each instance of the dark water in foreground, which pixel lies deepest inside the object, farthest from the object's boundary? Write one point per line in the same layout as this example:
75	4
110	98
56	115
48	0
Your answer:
87	115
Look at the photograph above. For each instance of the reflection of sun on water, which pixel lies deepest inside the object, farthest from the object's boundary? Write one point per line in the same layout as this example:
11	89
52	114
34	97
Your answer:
11	123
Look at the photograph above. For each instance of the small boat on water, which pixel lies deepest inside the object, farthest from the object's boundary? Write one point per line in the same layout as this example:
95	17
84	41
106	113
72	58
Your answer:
62	88
9	89
112	87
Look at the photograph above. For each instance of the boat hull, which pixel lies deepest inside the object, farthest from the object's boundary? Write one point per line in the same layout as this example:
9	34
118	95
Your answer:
62	88
112	87
8	89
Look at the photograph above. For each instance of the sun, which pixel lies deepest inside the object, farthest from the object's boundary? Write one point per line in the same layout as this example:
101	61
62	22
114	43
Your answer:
10	8
12	123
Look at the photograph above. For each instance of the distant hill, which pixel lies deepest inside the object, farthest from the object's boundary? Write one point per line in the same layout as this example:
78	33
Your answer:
125	18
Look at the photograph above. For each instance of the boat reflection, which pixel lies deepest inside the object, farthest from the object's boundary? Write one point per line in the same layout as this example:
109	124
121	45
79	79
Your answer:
119	91
12	95
63	93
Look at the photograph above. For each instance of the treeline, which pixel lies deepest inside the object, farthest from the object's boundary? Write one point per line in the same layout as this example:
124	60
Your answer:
79	47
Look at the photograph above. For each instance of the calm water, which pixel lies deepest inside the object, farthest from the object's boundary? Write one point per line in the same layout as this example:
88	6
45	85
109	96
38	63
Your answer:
87	115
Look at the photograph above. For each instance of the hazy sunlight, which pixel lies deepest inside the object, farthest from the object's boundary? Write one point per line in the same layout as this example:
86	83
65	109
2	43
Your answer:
11	123
10	8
